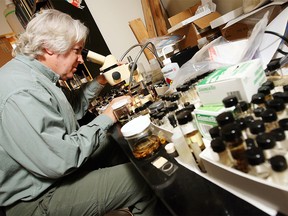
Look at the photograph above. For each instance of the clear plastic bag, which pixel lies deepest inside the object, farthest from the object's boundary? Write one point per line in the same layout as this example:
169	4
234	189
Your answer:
202	63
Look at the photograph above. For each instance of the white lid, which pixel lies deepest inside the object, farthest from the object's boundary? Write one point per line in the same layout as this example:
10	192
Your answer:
119	104
135	126
166	61
170	148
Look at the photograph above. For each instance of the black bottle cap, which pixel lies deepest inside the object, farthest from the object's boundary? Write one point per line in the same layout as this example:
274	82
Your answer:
276	104
184	117
248	120
281	95
285	88
264	89
214	132
172	120
186	103
278	134
250	143
225	118
241	123
255	156
243	105
258	111
257	127
218	145
283	123
265	141
258	98
172	107
190	107
278	163
230	101
270	84
230	132
269	115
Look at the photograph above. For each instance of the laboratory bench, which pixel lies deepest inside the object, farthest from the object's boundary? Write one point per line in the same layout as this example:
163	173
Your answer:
184	192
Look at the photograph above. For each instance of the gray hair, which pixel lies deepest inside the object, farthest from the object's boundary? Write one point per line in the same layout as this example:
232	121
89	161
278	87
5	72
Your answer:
53	30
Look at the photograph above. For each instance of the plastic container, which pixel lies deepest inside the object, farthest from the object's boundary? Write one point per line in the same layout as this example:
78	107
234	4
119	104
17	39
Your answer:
169	70
139	135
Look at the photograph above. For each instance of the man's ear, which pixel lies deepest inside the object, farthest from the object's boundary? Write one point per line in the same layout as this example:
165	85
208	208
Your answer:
49	52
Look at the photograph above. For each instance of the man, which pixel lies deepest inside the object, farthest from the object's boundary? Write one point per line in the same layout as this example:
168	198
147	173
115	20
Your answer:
42	145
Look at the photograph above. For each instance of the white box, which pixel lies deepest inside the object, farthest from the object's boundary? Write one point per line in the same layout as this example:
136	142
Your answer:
206	118
255	190
241	80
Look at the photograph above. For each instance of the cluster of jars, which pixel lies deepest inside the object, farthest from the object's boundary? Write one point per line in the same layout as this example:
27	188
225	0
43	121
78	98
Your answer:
252	137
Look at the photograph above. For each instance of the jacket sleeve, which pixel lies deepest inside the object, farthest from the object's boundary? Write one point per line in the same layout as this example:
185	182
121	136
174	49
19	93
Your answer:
81	98
45	139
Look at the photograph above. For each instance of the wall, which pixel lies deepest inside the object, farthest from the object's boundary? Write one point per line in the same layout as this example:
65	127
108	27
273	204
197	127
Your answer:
112	19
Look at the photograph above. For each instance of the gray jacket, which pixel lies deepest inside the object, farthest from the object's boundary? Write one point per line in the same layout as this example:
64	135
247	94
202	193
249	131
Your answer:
40	139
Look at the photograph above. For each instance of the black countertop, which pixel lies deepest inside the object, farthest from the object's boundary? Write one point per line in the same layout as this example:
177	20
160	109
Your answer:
185	192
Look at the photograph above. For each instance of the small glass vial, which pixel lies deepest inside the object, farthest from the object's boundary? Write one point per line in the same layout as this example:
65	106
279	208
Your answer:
243	127
283	96
283	123
269	117
231	136
271	85
279	173
192	136
258	100
266	91
231	101
267	143
225	118
218	146
257	163
214	132
245	109
279	106
281	142
257	112
255	128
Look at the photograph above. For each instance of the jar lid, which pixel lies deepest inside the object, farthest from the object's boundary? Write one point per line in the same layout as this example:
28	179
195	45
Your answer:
119	104
135	126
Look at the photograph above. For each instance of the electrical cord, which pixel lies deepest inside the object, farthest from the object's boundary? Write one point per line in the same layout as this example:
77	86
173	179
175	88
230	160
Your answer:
280	36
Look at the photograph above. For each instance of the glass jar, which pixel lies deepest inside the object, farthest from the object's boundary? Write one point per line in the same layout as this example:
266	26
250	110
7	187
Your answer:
140	137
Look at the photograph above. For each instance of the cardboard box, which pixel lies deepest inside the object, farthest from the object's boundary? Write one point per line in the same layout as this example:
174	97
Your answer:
5	51
193	26
242	26
241	80
262	193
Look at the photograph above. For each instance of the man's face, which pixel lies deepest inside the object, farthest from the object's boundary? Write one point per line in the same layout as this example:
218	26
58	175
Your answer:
66	64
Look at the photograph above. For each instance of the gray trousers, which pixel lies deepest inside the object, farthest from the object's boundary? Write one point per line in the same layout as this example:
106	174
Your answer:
92	193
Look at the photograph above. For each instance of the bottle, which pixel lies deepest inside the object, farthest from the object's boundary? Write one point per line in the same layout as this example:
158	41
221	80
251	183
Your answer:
279	173
269	117
267	143
180	143
169	70
279	106
231	102
192	136
218	146
11	17
232	138
257	163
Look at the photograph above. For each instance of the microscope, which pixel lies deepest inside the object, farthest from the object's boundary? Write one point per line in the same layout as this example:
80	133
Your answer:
115	73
